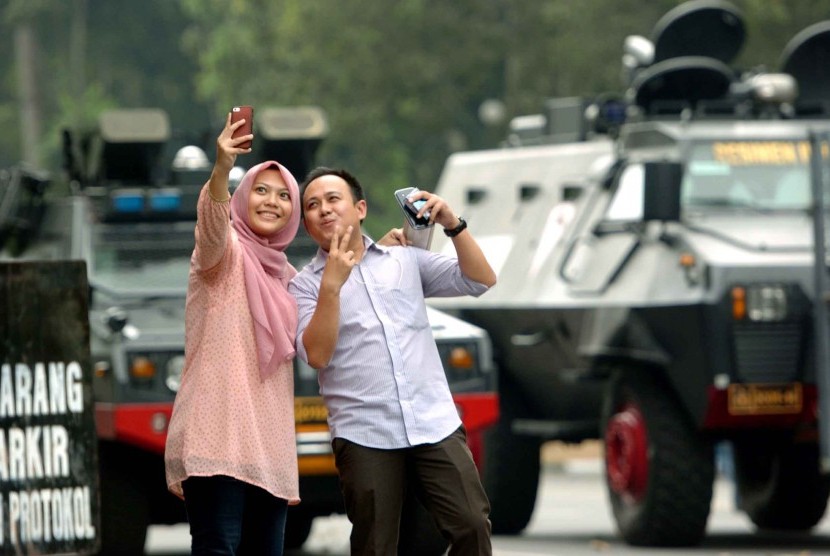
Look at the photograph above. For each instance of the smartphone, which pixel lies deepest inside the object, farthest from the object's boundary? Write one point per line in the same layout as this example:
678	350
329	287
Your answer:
246	113
418	238
411	208
415	206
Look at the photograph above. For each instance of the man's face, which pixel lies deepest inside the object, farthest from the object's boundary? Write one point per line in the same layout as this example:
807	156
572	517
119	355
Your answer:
269	203
328	204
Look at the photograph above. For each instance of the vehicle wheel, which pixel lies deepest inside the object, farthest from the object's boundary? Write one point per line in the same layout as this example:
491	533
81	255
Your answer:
125	508
659	470
297	528
780	485
510	478
419	536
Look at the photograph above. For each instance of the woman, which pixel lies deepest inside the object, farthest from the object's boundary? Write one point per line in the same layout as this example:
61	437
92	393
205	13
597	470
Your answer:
231	451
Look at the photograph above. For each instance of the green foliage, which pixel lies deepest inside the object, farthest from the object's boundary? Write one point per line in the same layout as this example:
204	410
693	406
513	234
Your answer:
771	24
401	81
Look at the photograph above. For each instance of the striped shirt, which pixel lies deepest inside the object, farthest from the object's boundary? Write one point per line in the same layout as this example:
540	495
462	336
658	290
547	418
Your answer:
385	385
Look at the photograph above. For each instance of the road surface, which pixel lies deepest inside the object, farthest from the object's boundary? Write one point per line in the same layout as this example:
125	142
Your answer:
572	518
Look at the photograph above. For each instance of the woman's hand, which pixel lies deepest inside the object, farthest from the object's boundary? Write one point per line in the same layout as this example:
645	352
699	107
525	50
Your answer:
227	149
395	236
227	146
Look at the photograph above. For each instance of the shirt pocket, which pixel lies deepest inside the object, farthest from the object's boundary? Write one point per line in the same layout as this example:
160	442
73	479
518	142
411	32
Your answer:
408	306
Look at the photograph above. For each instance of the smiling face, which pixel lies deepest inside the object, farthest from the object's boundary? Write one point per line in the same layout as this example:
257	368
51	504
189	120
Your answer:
269	203
328	204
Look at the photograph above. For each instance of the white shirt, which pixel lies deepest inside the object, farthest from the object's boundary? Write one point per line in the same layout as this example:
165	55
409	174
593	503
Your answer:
385	385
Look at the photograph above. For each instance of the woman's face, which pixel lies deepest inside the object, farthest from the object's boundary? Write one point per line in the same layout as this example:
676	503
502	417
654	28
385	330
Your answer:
269	204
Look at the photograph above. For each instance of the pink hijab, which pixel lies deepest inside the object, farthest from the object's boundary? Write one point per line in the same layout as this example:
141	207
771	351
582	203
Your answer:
273	309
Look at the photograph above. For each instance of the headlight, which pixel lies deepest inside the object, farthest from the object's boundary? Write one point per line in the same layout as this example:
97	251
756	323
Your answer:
760	303
174	372
142	368
462	366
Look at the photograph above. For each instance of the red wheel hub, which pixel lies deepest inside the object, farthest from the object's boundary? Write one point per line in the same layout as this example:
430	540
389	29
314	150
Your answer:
626	453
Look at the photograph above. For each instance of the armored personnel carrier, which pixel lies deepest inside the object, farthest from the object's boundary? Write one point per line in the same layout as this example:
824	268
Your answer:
656	290
130	216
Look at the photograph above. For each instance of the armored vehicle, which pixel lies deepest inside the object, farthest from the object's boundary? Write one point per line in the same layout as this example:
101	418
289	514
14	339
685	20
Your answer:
656	287
130	216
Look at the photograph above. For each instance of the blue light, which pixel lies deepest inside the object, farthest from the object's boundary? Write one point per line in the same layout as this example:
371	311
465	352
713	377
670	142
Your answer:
127	202
614	111
165	201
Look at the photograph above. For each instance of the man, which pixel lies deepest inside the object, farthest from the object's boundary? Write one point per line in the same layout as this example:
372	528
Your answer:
363	326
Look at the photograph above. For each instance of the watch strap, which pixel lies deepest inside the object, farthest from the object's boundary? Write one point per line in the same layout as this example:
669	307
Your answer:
462	225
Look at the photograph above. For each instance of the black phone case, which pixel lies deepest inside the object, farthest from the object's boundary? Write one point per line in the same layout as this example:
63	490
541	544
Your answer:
416	223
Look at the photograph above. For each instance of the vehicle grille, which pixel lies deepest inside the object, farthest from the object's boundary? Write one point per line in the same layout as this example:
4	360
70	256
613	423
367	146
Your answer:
768	352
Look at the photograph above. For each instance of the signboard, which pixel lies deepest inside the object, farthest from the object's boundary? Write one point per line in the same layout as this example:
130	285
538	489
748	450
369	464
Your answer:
48	448
741	153
765	399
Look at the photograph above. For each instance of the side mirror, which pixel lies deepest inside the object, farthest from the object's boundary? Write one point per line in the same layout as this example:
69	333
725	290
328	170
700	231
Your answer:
116	319
661	195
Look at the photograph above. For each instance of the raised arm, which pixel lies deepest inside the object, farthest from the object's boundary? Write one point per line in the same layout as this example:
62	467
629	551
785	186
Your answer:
227	149
471	259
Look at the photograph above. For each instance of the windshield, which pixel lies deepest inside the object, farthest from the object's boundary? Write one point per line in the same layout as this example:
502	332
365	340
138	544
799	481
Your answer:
142	258
769	175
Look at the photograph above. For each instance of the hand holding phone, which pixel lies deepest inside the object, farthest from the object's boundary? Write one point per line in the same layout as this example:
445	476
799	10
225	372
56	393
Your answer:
411	208
416	205
246	113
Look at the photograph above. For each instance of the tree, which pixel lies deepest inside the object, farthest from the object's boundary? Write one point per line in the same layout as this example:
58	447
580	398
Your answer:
402	82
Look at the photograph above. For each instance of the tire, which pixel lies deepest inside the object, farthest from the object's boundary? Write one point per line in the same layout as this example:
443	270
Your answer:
297	528
659	469
510	478
780	485
125	507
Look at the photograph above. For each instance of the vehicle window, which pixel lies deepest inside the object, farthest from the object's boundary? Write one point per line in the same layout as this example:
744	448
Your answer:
141	257
759	174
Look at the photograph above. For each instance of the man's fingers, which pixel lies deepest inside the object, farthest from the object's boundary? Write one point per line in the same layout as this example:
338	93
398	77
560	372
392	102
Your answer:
339	242
347	236
335	241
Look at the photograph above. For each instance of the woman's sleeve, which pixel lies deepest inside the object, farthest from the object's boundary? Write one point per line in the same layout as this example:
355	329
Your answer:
212	224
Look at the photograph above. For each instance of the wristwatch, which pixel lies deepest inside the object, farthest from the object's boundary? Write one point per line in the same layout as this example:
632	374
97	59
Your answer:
462	225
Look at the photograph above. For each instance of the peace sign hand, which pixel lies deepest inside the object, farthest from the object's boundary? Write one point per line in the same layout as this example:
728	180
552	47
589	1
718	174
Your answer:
340	262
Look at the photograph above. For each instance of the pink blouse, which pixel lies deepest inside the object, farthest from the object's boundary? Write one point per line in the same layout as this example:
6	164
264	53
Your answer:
226	419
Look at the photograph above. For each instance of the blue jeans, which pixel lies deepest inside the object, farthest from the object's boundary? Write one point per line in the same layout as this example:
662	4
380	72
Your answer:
230	517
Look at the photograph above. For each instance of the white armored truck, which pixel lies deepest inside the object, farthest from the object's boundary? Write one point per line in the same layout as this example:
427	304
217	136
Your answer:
656	281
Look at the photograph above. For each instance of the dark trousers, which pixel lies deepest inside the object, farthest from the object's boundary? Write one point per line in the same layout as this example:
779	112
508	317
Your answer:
230	517
445	479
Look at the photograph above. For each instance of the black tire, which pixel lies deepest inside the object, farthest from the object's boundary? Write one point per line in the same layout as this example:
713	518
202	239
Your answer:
510	473
780	485
297	528
659	469
125	507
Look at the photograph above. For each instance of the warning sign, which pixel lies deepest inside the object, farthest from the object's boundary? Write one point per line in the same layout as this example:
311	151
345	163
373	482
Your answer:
48	449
